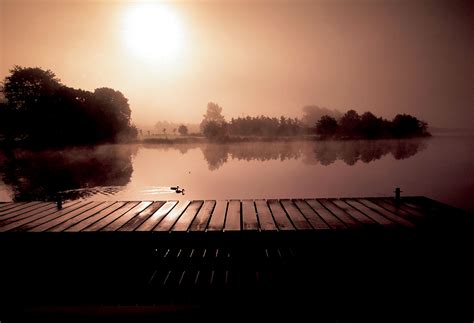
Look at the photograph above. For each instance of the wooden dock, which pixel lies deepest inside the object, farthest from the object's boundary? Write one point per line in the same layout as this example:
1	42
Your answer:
224	216
199	256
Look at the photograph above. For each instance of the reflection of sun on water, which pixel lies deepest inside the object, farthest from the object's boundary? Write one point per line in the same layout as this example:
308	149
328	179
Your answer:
153	32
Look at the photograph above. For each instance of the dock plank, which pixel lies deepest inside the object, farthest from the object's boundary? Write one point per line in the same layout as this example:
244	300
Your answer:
299	221
265	217
201	220
156	217
96	217
327	216
280	216
368	212
124	218
107	206
233	216
4	206
313	218
348	220
356	214
218	216
249	216
102	223
141	217
170	219
64	216
30	208
21	216
188	216
34	217
18	207
396	210
389	215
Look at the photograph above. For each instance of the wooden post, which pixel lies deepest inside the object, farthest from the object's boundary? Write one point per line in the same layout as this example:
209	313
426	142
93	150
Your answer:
397	195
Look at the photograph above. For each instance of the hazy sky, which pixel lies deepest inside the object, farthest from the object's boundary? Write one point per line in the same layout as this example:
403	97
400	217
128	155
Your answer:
254	57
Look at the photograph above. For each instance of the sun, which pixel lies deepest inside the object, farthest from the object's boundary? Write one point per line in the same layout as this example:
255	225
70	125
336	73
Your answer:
153	32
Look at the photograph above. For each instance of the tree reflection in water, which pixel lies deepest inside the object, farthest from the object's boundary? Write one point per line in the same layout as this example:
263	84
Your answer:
74	173
312	153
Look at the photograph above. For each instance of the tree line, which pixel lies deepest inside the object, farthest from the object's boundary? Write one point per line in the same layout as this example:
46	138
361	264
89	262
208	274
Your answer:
39	110
350	125
367	126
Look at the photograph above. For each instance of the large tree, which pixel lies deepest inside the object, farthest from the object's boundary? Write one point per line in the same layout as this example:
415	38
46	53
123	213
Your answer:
45	112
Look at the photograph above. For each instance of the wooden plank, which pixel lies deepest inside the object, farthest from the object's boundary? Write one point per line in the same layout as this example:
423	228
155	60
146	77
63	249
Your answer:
107	206
78	208
356	214
218	216
279	214
13	213
233	217
34	217
18	217
402	206
327	216
265	218
249	216
156	217
394	209
313	218
299	221
389	215
138	219
105	221
64	216
368	212
340	214
125	217
18	207
170	219
188	216
202	218
4	206
96	217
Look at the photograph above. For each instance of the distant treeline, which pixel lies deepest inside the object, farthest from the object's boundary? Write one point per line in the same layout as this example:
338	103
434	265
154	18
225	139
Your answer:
367	126
351	125
39	110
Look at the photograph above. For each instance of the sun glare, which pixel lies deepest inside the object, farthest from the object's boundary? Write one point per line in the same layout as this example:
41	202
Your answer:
153	31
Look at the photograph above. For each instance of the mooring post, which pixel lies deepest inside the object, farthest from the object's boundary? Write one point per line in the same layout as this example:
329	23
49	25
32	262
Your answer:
397	195
59	201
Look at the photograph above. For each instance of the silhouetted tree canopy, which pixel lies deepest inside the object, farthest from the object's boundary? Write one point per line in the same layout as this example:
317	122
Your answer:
326	126
213	125
40	110
183	130
368	126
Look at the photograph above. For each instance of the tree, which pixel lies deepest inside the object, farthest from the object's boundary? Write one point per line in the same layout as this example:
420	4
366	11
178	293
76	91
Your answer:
183	130
45	112
213	124
26	87
213	114
326	126
349	124
405	125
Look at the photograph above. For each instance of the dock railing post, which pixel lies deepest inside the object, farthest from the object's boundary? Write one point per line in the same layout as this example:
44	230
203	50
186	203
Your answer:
397	195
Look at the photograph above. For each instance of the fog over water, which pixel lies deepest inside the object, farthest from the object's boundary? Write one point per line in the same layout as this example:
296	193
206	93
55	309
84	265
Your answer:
439	168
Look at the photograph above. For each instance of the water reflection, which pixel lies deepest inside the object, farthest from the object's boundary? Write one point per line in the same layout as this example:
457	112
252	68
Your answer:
75	173
312	153
105	172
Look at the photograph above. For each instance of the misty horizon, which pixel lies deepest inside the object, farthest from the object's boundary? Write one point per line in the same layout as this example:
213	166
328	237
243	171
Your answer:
259	58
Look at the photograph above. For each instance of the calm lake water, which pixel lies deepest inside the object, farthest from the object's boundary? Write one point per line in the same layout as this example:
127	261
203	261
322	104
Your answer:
441	168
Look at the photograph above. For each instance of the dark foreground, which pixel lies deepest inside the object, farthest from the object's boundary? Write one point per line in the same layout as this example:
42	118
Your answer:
372	259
